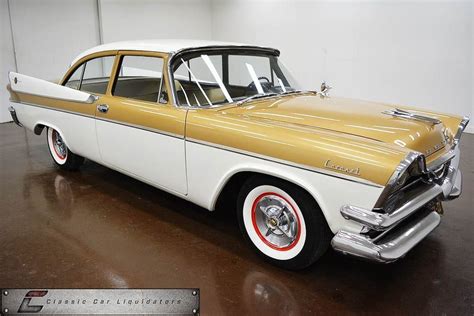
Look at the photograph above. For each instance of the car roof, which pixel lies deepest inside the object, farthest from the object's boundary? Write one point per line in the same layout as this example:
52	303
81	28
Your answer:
159	45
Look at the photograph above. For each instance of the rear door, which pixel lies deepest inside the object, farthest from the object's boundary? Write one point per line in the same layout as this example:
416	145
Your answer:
139	131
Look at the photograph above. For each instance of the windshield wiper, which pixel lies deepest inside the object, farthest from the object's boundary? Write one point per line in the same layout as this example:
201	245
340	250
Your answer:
257	96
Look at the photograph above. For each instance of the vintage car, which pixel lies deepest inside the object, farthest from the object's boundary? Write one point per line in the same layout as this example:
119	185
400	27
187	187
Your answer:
213	121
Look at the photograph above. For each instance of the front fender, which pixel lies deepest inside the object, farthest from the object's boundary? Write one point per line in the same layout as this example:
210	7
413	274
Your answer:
210	168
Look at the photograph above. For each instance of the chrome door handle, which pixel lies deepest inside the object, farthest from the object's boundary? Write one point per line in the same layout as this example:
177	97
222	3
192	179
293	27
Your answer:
103	108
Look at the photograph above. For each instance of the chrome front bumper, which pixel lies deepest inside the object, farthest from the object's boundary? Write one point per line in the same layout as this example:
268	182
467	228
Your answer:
361	246
403	232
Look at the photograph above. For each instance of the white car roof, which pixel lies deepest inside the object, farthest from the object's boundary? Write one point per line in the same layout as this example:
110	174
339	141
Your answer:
156	45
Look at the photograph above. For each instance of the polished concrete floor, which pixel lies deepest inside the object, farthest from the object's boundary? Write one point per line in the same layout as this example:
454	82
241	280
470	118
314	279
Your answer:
100	229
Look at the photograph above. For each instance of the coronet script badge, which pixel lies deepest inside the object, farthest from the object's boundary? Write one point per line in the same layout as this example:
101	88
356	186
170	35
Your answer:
329	164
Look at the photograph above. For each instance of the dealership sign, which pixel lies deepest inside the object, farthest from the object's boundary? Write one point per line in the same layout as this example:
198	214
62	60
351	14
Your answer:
100	301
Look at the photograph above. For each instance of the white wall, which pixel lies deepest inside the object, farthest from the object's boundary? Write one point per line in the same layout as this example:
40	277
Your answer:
50	33
7	59
145	19
412	52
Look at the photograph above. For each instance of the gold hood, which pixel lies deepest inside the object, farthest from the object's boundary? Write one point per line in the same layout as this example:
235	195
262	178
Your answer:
355	117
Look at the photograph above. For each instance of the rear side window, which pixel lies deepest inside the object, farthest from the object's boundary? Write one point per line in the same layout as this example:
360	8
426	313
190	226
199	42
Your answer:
92	76
74	81
140	78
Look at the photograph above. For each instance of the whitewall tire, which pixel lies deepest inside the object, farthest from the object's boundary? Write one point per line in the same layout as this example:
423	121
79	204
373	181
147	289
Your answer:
60	153
282	222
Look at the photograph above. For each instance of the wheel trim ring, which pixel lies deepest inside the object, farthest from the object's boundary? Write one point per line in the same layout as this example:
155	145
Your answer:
259	233
54	139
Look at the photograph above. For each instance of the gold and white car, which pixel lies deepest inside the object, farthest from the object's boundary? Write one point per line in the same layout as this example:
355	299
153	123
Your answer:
211	121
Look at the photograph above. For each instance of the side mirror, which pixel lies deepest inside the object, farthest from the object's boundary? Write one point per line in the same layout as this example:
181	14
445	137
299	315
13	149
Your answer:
325	89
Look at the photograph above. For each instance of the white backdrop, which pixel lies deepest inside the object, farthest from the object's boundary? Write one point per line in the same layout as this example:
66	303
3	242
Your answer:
145	19
7	59
410	52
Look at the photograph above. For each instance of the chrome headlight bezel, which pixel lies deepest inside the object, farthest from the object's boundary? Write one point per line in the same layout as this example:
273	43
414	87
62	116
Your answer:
462	126
411	168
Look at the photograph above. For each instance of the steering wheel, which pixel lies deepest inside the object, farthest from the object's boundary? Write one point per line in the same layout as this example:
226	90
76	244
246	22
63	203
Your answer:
265	85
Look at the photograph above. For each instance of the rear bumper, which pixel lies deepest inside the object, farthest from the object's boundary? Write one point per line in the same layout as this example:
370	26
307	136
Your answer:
404	225
14	117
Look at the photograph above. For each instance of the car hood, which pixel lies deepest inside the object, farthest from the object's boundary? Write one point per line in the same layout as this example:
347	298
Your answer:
355	117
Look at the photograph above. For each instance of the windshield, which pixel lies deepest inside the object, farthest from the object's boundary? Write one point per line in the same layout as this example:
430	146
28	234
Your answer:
208	79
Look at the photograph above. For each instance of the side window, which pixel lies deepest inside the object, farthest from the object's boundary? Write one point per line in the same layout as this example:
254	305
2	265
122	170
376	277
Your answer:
140	77
97	74
92	76
74	81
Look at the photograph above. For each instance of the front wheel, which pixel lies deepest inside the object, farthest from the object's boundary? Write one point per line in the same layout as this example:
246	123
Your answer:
282	222
62	156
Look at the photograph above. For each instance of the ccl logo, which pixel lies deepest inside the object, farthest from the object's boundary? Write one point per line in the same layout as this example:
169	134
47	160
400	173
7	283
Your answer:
25	306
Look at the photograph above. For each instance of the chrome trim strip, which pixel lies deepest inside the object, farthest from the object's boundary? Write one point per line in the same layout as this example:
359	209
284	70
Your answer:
12	111
412	116
285	162
461	128
361	246
383	221
148	129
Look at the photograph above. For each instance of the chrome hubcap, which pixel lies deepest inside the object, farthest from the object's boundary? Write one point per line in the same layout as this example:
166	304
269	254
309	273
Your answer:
59	145
276	221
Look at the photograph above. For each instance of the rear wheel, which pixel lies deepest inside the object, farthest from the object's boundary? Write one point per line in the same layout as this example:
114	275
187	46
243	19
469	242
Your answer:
62	156
282	222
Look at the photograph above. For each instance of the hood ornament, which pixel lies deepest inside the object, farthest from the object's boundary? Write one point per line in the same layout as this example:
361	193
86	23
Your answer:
325	89
412	116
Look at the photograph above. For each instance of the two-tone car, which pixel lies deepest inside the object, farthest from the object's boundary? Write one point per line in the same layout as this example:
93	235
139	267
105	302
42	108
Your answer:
213	121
